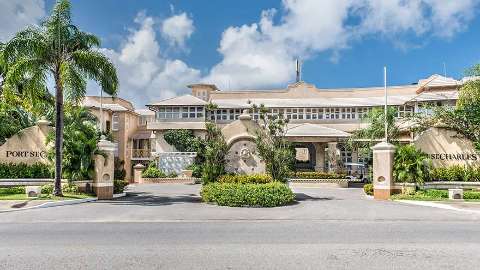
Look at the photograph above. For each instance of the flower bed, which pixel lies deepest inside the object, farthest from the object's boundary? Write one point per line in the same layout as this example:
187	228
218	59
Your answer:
239	195
317	175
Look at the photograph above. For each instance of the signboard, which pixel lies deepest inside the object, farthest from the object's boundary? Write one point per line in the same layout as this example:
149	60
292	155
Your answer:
27	146
447	147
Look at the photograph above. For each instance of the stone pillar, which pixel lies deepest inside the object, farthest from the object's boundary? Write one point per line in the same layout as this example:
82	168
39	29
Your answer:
383	183
319	157
332	156
104	167
137	173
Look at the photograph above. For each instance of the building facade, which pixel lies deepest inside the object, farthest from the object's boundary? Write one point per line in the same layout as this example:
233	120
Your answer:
126	126
320	120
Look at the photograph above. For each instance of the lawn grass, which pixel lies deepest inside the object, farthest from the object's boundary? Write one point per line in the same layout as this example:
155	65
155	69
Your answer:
66	196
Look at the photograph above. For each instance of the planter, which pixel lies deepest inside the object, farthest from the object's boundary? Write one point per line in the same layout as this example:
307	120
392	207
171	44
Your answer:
187	173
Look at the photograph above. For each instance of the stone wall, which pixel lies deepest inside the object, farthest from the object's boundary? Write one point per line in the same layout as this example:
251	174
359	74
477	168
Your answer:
447	147
27	146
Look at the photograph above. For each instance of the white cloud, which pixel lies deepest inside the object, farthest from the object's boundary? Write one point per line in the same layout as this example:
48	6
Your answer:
262	54
145	74
177	29
15	15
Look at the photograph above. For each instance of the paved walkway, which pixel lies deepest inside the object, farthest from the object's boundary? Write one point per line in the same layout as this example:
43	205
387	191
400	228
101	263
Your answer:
176	202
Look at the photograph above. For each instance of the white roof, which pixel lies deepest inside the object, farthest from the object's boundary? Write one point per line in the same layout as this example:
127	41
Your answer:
313	130
184	100
438	80
335	102
90	103
144	112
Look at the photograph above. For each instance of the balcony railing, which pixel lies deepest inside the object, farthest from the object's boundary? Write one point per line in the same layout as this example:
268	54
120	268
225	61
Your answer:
141	153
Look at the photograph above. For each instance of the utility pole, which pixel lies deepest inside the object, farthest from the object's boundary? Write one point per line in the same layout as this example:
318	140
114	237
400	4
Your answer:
386	102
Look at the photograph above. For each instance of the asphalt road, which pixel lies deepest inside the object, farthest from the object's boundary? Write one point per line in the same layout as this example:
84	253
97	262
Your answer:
167	227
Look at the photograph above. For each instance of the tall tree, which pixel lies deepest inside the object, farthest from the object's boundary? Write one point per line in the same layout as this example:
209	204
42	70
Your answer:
272	145
58	49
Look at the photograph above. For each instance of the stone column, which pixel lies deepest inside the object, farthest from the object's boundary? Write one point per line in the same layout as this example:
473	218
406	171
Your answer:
383	183
319	157
104	167
332	156
137	173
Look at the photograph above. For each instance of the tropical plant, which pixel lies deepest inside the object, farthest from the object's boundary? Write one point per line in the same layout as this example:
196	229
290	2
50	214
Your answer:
80	144
273	147
153	172
183	140
58	49
13	119
464	118
367	137
410	165
214	152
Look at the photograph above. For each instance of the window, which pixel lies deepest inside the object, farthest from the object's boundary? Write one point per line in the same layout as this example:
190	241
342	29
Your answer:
115	122
184	112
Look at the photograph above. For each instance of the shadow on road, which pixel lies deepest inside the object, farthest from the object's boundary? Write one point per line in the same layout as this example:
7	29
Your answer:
299	197
149	199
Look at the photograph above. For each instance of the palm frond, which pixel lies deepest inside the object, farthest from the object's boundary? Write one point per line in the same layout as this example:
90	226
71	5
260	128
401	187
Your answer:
75	85
99	68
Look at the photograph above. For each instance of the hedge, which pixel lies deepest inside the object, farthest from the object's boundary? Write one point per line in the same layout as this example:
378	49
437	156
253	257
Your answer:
317	175
239	195
153	172
66	188
246	179
471	195
22	170
455	173
12	190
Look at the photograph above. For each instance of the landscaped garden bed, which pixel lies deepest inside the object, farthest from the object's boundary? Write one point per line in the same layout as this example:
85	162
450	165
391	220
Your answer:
251	195
70	192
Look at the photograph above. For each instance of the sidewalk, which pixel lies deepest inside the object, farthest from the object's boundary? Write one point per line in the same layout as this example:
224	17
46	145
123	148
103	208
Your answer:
461	206
18	204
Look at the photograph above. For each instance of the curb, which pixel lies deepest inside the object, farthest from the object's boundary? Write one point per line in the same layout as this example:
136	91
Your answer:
53	204
119	195
437	205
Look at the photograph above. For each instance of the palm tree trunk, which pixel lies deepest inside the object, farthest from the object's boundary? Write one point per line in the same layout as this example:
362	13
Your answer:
58	135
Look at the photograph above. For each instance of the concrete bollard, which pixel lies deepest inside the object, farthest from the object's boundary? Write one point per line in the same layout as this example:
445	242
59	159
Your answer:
137	173
383	154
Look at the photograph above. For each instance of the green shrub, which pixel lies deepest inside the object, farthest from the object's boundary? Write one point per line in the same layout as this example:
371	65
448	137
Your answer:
456	173
12	190
66	188
22	170
196	170
368	188
411	165
153	172
246	179
434	193
47	189
238	195
172	175
70	188
119	186
423	195
317	175
471	195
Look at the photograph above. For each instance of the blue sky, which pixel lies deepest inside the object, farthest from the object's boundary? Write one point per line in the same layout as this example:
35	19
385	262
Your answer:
343	43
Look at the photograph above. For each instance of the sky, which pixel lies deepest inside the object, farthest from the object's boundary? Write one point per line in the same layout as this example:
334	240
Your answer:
161	46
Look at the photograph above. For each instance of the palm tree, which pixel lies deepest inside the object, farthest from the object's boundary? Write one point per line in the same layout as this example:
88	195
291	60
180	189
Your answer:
60	50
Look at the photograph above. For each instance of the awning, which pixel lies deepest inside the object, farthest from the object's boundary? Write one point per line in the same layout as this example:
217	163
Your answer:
142	135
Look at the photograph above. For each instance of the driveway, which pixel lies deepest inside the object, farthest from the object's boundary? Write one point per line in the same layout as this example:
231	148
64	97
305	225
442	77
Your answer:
167	227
